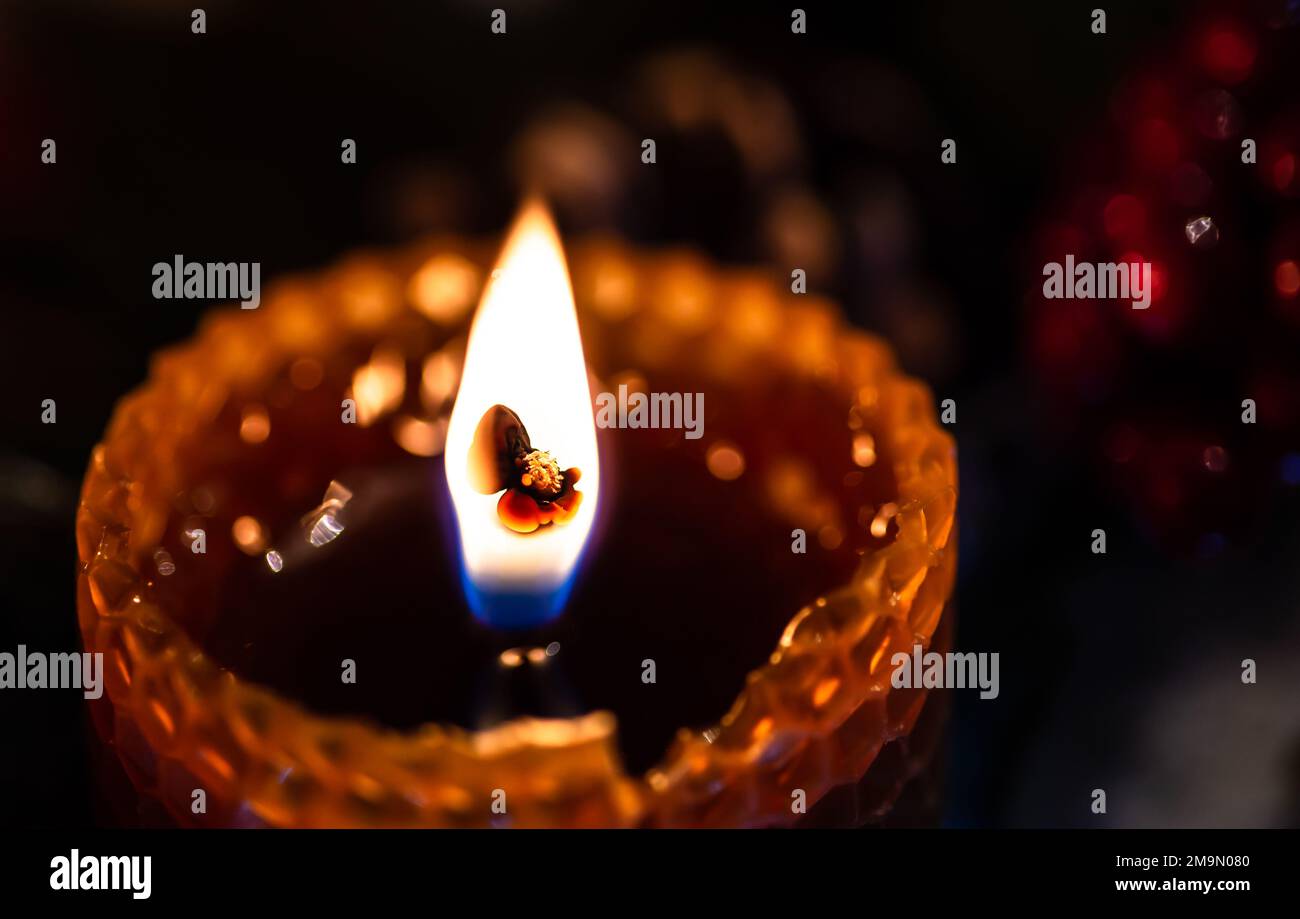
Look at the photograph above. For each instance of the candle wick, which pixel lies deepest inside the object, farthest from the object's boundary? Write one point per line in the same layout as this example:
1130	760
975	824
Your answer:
538	491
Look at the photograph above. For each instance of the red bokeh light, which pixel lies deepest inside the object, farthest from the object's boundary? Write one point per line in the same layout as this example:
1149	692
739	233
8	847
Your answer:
1286	277
1228	54
1125	218
1156	145
1283	171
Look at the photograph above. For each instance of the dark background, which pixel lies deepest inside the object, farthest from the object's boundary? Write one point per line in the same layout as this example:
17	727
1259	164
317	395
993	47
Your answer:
1118	671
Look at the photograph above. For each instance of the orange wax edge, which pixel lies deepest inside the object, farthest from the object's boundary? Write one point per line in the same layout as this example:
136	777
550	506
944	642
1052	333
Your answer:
814	716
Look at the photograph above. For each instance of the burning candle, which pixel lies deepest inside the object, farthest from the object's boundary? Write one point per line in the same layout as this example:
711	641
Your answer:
525	368
330	551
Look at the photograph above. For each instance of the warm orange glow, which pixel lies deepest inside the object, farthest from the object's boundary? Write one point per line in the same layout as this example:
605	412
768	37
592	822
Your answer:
306	373
443	289
418	436
864	450
725	461
378	387
438	379
525	352
248	535
880	525
1287	278
254	424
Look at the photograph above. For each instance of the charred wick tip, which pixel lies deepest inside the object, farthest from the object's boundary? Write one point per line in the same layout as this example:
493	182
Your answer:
499	438
538	491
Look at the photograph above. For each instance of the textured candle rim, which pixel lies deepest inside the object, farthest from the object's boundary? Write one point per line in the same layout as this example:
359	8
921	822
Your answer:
812	715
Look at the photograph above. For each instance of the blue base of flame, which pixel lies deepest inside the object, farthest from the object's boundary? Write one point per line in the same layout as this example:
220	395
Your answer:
515	609
501	606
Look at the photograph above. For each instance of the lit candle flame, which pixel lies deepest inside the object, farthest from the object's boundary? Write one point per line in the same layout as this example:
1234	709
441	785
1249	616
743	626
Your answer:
525	353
